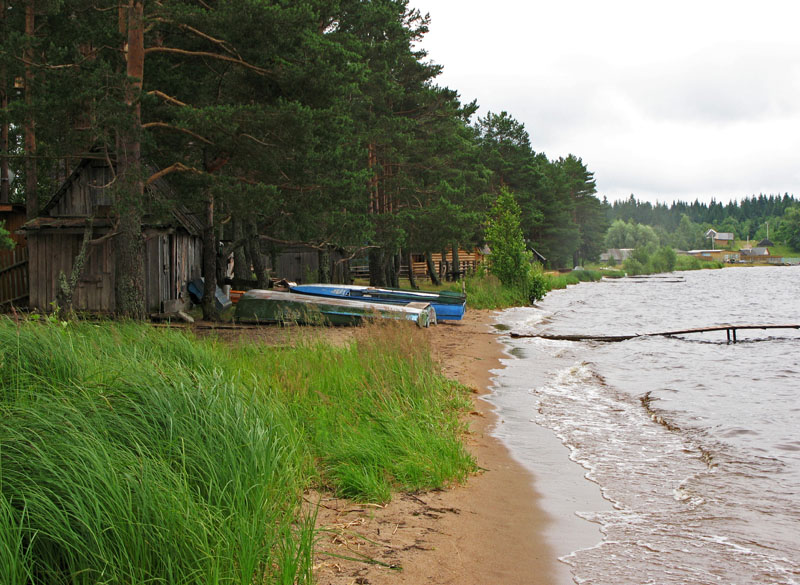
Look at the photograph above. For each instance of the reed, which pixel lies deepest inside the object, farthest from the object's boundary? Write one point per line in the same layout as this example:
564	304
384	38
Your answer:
141	456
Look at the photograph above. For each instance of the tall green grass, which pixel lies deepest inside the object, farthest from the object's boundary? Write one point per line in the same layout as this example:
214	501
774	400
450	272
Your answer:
130	455
485	291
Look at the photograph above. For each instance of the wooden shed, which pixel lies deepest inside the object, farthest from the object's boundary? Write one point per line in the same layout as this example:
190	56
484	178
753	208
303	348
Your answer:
13	263
302	264
173	245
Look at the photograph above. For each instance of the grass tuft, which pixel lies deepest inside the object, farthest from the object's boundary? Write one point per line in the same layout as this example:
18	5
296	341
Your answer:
135	455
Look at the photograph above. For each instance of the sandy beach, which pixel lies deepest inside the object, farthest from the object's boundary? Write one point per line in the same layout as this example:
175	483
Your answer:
489	530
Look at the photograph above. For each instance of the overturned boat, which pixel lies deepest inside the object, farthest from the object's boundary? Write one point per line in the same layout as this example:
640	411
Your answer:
448	305
268	306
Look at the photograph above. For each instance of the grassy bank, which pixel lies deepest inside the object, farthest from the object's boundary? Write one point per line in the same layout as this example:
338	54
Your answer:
129	455
486	292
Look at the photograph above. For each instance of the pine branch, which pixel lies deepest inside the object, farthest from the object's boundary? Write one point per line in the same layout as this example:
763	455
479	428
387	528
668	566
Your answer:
166	126
217	56
173	168
257	141
221	43
167	98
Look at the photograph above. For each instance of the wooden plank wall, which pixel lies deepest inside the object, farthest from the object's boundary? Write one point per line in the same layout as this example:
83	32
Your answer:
171	260
13	277
468	262
302	265
86	193
52	253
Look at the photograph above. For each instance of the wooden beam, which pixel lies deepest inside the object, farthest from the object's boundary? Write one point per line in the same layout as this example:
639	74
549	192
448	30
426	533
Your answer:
729	329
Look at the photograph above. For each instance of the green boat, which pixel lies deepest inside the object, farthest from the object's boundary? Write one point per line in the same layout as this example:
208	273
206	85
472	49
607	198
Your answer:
268	306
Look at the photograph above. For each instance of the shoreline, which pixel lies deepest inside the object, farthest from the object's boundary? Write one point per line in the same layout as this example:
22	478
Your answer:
489	530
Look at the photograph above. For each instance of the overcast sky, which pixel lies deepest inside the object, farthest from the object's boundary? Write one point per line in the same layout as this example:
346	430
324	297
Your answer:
669	100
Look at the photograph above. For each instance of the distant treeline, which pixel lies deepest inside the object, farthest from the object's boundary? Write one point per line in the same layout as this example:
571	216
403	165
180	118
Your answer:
751	218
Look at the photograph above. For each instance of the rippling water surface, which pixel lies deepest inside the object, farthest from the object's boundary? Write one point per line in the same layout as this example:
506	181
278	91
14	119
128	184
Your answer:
695	442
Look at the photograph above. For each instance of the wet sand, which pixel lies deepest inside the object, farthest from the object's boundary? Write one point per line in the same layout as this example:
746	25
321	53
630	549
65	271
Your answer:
490	530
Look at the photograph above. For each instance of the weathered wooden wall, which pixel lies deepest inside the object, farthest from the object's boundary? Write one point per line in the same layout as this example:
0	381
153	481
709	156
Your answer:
171	260
87	195
53	252
301	264
13	263
172	255
13	277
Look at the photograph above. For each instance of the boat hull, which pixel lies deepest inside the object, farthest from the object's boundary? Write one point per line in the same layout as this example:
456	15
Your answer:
448	305
266	306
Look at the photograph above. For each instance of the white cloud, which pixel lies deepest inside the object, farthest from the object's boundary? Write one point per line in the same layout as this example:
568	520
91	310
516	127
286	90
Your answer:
690	99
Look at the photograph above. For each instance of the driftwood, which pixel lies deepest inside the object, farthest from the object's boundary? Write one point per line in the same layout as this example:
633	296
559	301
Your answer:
730	329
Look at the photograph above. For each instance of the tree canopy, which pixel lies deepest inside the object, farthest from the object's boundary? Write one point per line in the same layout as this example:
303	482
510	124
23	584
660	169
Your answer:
278	122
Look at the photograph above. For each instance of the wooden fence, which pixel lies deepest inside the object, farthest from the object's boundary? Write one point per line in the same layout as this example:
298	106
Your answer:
468	263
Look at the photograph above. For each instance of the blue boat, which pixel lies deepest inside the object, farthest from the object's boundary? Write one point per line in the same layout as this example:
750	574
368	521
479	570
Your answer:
448	305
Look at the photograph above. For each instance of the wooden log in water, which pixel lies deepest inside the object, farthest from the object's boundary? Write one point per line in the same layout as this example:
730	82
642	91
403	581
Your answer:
729	329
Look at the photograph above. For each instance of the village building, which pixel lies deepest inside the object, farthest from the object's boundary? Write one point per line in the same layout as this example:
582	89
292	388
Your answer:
716	255
757	254
619	255
720	239
172	255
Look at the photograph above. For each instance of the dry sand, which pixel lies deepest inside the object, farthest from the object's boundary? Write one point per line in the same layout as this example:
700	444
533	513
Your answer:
489	530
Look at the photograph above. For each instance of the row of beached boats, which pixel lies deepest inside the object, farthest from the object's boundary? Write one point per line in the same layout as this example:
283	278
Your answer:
338	304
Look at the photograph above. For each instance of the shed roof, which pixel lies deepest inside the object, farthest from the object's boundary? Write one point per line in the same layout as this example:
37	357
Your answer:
159	188
758	251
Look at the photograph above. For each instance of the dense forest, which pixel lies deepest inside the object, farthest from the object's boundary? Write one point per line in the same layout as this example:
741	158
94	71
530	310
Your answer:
317	122
683	225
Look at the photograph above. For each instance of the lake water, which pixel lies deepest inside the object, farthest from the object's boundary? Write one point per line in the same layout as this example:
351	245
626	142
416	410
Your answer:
692	442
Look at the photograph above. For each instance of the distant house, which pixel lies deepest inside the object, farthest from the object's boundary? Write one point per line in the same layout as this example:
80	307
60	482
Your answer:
765	243
618	254
721	239
717	255
757	254
172	255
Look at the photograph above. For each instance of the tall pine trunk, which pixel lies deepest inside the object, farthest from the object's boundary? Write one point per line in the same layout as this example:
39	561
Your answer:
377	273
241	263
129	244
456	264
209	302
4	176
391	269
254	249
31	177
432	269
412	280
324	261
